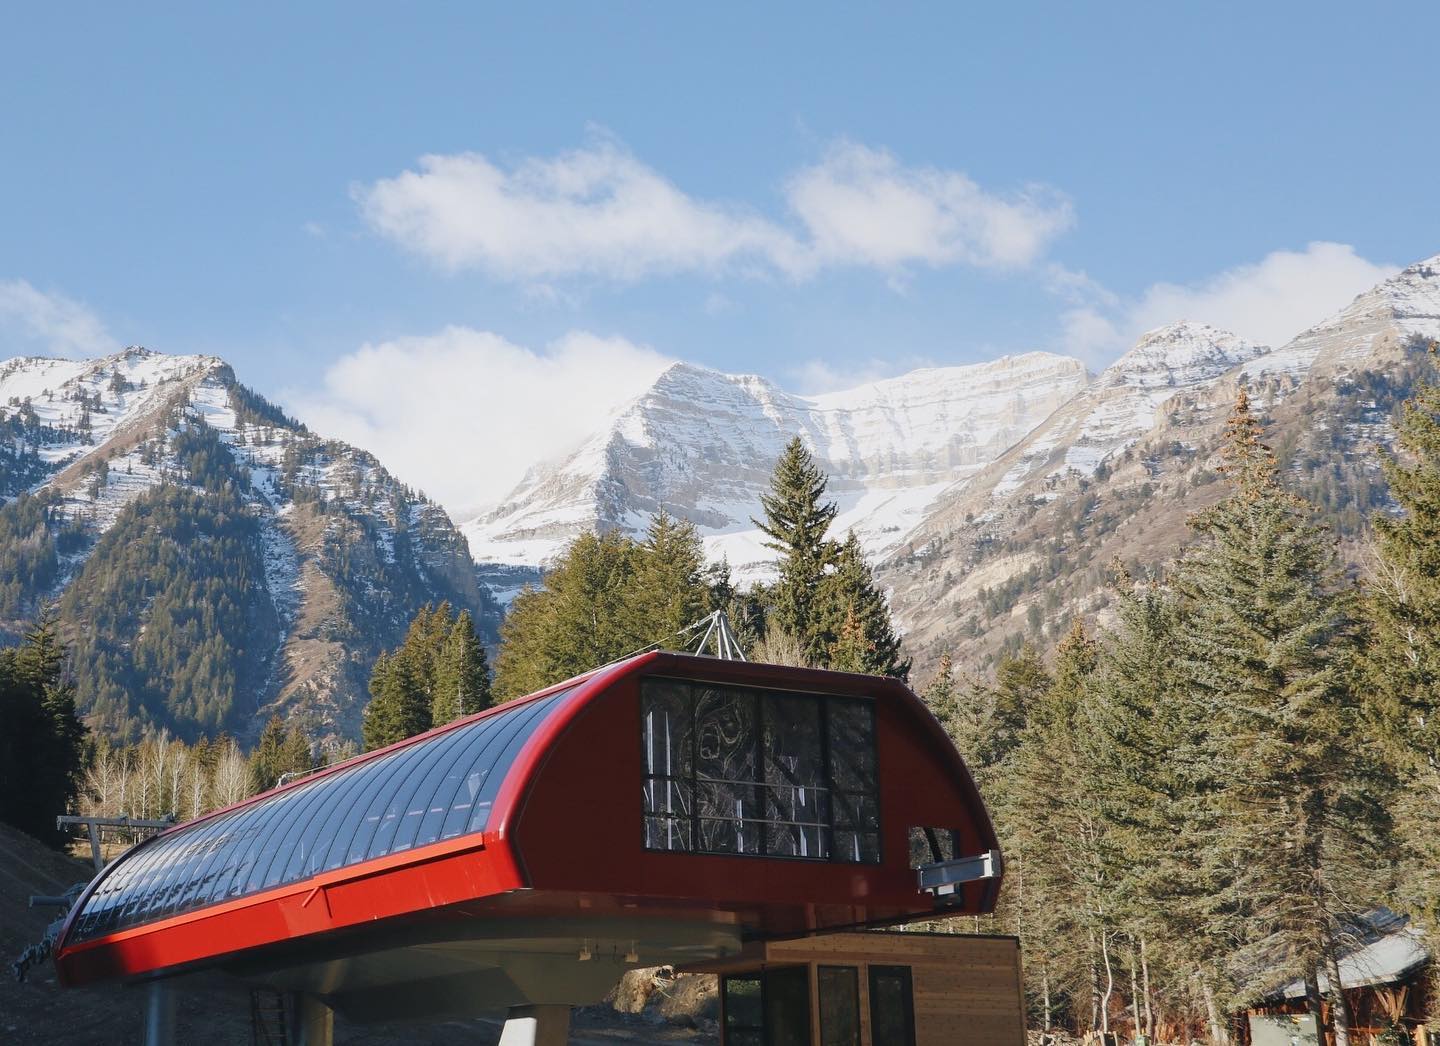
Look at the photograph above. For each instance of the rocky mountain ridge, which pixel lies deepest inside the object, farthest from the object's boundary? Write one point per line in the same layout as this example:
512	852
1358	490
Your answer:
1014	553
335	553
701	444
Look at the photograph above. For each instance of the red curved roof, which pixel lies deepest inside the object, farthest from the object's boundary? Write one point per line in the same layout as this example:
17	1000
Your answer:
528	811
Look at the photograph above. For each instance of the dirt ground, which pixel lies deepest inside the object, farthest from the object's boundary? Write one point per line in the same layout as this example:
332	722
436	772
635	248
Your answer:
39	1012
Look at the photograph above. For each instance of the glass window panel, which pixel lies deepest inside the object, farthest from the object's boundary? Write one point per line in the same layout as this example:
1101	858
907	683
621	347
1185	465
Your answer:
787	1007
743	1007
669	833
852	744
839	990
856	847
771	794
796	796
667	713
467	804
892	1009
370	819
328	821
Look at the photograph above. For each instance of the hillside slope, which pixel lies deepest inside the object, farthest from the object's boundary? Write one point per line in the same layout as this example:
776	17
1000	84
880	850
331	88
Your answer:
1015	552
213	560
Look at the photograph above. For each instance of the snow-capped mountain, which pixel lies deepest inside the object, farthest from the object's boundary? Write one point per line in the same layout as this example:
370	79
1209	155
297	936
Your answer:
1383	318
701	444
329	562
1123	403
1024	545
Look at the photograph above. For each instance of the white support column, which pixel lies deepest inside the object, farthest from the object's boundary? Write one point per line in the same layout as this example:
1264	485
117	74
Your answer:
536	1026
312	1020
160	1014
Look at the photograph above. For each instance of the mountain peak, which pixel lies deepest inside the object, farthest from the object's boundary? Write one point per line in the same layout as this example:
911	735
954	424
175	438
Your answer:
1180	354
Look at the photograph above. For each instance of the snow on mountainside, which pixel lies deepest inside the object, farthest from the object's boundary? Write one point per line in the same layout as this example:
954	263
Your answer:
343	552
1121	405
701	444
1024	546
1406	305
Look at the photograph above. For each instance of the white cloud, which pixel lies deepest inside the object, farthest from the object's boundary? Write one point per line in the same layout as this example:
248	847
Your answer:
861	206
599	211
32	321
461	414
1269	301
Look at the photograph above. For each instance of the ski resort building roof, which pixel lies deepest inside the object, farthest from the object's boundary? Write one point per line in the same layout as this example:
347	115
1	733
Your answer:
668	808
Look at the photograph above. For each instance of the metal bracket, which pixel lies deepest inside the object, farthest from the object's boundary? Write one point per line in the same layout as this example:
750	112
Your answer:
944	878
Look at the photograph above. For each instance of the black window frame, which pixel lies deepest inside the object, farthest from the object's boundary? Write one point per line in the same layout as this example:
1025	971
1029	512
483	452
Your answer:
760	788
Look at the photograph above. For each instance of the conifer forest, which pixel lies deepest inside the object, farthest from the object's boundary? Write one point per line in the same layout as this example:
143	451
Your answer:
1201	794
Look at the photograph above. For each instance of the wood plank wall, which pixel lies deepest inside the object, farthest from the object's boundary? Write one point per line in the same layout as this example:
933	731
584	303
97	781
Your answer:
967	988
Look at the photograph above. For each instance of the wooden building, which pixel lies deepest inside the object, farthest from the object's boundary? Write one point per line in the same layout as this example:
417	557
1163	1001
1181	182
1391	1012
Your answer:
1385	975
872	989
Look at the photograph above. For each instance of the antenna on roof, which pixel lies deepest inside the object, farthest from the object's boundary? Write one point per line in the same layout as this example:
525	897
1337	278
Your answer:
717	634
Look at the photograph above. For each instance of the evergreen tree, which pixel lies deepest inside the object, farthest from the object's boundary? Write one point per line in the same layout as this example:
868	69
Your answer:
462	674
940	695
297	754
797	520
398	708
581	618
667	592
1063	894
1151	749
850	611
42	742
1269	648
1403	662
267	761
851	651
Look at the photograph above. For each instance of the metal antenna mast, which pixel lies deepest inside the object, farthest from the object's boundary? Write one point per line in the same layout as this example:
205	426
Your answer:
717	634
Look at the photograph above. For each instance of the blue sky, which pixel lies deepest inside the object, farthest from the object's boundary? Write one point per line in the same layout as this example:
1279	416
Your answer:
818	195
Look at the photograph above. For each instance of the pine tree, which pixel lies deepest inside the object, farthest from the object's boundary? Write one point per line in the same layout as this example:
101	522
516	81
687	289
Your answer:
1403	661
847	598
667	592
1151	751
297	754
462	675
398	708
1062	895
267	760
852	650
1269	648
42	742
797	520
581	617
940	694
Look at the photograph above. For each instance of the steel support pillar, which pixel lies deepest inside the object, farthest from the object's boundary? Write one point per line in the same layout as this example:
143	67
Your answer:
312	1021
536	1026
160	1014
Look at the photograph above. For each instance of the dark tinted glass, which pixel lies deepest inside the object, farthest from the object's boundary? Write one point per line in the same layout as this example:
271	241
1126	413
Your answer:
744	1013
892	1008
796	797
839	1006
727	732
441	787
787	1007
745	771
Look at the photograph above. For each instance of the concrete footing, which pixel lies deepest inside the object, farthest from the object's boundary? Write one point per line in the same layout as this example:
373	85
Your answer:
536	1026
